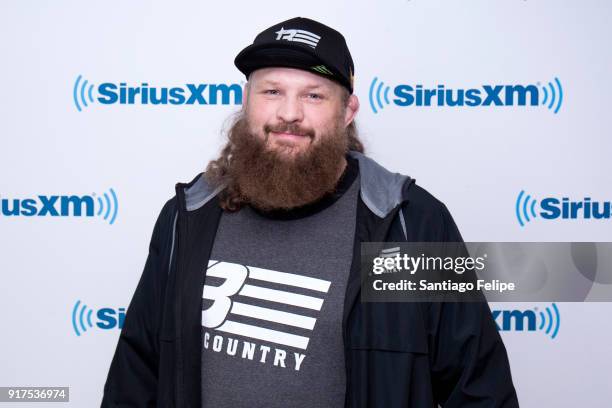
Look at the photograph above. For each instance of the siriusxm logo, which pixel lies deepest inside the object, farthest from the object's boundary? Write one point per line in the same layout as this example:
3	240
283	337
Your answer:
109	93
104	206
552	208
549	95
105	318
547	321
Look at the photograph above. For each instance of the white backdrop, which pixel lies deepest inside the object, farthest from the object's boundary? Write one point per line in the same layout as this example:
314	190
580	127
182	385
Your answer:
475	159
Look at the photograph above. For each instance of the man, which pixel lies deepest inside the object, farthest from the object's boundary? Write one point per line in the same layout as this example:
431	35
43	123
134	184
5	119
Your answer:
250	293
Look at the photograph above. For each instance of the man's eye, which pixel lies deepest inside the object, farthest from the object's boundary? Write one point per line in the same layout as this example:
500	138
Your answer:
271	91
314	96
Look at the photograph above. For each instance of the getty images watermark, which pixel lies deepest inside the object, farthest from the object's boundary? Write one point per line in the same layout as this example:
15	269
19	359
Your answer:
394	262
495	271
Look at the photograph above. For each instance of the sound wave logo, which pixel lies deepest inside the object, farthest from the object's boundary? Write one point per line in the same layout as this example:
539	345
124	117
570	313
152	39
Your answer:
551	321
376	91
553	95
82	92
81	317
108	207
549	95
560	208
525	206
106	318
547	321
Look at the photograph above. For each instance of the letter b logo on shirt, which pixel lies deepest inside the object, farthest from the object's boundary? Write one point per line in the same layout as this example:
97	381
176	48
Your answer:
234	275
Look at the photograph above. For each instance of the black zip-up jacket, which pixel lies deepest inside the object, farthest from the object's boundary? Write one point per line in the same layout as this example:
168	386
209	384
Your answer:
397	354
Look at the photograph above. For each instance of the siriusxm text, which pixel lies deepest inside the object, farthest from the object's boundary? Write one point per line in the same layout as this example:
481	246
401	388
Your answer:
190	94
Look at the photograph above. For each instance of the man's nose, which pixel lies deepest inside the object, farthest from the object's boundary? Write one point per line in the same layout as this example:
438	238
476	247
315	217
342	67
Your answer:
290	110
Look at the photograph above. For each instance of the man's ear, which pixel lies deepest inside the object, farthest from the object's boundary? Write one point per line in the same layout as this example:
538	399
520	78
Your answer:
351	109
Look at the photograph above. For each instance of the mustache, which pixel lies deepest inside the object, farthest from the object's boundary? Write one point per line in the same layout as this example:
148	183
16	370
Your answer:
286	127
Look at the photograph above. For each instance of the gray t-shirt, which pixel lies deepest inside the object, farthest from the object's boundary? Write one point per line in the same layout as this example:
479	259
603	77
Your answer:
273	302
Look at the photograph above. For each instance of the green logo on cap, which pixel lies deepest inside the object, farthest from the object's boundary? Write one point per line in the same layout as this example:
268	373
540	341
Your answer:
322	69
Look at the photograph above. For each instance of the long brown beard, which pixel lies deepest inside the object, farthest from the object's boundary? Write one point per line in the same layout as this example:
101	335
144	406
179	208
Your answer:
268	179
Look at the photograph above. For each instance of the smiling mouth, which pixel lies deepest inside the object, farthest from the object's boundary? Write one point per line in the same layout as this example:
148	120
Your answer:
288	135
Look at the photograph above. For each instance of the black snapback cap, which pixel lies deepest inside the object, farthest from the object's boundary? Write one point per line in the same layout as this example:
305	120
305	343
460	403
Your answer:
300	43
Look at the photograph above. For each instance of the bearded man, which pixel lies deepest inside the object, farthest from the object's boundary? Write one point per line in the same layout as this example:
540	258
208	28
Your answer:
250	292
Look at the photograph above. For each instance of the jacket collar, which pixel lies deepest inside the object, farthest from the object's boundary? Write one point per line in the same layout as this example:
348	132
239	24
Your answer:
380	189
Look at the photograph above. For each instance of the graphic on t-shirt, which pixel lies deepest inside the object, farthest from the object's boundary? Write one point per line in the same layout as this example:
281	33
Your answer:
254	283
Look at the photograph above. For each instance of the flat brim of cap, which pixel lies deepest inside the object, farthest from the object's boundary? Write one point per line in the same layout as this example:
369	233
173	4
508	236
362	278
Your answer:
274	55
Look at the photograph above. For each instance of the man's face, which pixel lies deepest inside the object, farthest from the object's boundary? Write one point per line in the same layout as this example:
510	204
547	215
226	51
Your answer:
287	146
292	109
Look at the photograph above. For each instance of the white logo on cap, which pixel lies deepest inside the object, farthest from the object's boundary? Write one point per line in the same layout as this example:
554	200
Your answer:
302	36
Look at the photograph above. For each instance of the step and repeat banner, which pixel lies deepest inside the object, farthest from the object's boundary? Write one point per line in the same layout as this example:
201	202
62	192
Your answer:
499	109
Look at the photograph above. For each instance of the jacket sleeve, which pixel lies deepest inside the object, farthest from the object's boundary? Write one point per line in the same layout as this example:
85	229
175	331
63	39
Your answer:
468	361
132	376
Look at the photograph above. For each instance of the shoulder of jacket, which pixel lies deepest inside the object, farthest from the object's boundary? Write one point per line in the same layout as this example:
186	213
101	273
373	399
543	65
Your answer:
168	210
380	189
197	192
421	200
429	217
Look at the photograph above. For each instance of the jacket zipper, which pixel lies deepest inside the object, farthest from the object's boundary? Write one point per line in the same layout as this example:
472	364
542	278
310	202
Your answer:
179	397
